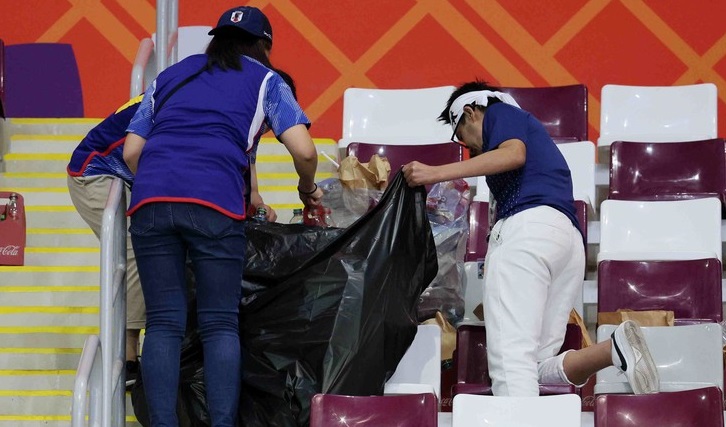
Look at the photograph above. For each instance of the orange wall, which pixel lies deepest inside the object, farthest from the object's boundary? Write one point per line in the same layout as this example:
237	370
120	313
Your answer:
329	46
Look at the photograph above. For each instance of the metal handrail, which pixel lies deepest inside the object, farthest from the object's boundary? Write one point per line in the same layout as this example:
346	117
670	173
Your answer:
106	384
165	49
146	48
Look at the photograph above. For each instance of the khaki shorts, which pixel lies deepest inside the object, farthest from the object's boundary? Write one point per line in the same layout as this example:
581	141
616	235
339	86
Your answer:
89	195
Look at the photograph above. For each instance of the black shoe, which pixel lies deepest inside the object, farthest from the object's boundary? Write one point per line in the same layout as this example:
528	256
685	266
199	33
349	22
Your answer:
132	371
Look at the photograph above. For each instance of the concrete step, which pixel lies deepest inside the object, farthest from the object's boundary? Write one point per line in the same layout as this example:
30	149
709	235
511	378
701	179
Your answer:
48	405
67	237
29	179
45	276
63	256
53	216
51	126
39	358
34	163
22	316
43	196
57	295
47	337
37	143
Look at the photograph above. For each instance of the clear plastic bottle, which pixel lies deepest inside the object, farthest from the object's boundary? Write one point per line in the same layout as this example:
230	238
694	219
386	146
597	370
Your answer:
297	216
328	218
260	214
12	209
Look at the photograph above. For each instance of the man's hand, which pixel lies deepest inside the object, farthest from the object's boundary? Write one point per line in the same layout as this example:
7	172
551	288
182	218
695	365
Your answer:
417	173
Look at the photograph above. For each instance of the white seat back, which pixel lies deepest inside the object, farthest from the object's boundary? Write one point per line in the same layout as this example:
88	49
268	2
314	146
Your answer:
664	230
580	158
191	40
658	113
395	116
562	410
419	371
687	357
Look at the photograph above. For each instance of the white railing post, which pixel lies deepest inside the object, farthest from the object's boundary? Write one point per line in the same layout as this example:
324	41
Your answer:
162	35
100	377
113	306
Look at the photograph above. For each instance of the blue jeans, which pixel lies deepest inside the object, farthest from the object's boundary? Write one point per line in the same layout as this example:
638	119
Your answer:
162	235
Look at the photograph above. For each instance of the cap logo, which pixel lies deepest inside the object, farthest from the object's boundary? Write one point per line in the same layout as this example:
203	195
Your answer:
236	16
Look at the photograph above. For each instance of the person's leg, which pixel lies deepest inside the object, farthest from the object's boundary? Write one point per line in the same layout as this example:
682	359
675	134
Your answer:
566	284
626	350
160	257
89	196
522	252
217	250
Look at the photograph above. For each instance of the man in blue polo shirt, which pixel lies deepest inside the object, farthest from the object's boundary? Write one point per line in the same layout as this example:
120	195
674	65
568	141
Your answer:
536	257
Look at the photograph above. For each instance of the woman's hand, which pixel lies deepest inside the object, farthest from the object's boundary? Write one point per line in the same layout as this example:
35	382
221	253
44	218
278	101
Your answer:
313	199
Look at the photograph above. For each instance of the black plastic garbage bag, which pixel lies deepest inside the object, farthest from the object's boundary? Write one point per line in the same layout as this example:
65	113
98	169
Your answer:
335	320
329	310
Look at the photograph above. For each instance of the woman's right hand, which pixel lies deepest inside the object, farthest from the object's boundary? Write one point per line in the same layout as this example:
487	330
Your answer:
312	200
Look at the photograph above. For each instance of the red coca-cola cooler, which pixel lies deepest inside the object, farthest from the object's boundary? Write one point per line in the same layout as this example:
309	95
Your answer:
12	228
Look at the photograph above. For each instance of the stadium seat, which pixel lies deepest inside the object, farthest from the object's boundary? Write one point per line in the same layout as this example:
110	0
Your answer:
406	410
702	407
395	116
668	230
42	81
657	114
689	288
561	109
419	370
473	370
505	411
687	357
674	171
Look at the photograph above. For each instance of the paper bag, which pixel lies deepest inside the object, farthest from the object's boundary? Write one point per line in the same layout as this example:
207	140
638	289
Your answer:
644	318
372	175
448	335
576	319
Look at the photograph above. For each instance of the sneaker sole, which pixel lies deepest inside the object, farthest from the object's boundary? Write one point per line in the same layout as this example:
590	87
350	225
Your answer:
644	379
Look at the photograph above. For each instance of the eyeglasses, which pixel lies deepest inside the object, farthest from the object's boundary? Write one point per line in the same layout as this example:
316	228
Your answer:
454	139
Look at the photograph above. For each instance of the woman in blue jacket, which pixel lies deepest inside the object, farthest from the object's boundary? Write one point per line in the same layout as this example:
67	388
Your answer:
190	144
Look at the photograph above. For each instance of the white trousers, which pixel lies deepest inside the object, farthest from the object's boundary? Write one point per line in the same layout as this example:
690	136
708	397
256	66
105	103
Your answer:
534	270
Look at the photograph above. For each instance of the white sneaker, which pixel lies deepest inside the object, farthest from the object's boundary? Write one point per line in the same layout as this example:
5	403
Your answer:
631	355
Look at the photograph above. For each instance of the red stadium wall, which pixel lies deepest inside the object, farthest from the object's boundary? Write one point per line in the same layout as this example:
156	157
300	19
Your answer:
330	46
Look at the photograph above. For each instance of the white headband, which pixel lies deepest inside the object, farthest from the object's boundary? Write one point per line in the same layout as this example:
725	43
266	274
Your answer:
479	98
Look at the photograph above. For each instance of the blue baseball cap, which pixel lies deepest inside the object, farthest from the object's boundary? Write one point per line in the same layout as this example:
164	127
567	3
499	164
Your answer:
246	18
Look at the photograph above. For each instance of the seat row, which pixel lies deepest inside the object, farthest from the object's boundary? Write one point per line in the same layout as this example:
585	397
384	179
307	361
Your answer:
694	407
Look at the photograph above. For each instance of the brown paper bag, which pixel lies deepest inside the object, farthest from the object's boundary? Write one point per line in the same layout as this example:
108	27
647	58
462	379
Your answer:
644	318
448	335
372	175
576	319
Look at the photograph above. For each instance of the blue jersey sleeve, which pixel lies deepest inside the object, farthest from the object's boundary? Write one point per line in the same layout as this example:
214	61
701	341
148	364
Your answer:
143	121
503	122
281	109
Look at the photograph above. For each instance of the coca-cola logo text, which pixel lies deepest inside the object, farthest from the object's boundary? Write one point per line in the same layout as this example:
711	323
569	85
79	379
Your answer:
9	250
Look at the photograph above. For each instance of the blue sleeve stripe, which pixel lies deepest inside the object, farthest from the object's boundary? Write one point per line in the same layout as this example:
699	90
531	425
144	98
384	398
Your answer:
142	121
281	108
258	120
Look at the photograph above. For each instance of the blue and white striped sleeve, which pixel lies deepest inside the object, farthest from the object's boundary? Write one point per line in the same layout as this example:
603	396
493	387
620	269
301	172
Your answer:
281	109
143	121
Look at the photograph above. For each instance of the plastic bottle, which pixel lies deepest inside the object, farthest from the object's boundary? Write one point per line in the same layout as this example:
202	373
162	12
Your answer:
12	209
297	216
327	217
260	214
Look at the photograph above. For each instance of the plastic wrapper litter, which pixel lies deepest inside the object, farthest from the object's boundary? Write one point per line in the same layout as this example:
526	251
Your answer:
447	208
